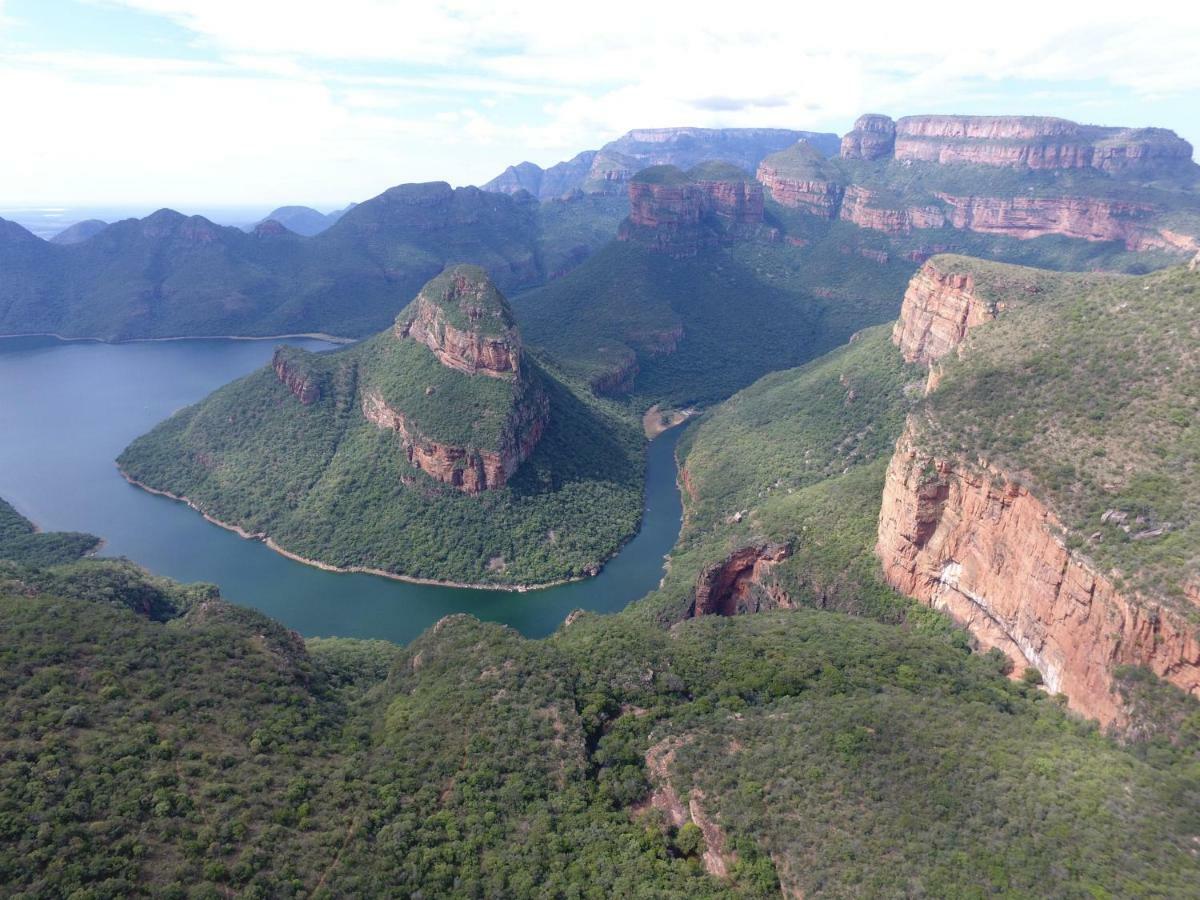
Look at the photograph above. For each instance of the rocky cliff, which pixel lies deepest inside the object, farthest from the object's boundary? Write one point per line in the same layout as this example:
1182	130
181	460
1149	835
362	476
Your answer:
485	340
867	209
939	308
466	323
800	179
873	137
291	371
739	583
967	540
1037	142
682	213
962	535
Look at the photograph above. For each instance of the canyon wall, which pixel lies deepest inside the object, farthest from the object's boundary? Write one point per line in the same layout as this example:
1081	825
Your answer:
963	539
813	196
297	379
864	208
681	216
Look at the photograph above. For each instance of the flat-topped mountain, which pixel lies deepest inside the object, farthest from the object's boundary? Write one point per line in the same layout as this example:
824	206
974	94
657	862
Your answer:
437	449
608	169
1016	176
682	212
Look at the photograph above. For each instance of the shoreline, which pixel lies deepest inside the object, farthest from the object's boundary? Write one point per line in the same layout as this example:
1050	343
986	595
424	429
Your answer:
266	539
313	335
653	426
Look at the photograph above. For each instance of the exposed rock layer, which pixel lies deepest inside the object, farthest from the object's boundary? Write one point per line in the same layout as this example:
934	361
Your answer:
938	310
963	540
302	384
738	585
467	351
682	217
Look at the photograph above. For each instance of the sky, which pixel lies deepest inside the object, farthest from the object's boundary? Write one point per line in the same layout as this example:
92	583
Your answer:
190	103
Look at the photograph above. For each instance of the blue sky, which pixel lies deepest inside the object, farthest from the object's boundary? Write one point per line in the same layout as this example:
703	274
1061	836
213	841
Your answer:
260	102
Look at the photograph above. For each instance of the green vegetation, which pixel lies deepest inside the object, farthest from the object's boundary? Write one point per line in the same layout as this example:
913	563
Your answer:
21	541
215	754
1087	388
326	483
799	458
169	275
742	312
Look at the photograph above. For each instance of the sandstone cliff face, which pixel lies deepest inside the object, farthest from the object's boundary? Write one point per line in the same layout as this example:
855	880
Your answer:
938	310
469	469
815	197
684	217
873	137
1036	142
738	584
862	207
1087	218
465	350
302	384
962	539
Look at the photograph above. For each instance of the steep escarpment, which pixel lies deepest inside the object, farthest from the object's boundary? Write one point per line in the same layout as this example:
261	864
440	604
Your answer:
1044	494
1037	142
424	451
684	213
1020	177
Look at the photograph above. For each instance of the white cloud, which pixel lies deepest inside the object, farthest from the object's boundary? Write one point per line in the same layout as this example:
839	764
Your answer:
332	101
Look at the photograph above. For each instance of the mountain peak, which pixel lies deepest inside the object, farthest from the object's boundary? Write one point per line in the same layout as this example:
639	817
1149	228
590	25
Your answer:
464	319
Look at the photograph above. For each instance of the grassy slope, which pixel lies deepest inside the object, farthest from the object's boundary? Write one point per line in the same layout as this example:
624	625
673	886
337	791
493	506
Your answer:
1088	388
216	754
329	485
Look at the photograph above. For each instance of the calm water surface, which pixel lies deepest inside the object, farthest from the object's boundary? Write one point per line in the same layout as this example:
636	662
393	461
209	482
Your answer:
67	411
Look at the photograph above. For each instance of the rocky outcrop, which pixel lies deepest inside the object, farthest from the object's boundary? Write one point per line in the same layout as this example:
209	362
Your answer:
938	310
965	540
817	198
292	373
675	213
873	137
1036	142
738	584
485	344
469	469
867	209
1086	218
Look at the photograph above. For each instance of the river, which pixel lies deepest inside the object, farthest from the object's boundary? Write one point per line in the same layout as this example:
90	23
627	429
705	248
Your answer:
68	409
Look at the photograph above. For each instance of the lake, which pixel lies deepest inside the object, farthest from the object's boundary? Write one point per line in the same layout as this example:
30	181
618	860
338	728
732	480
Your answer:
68	409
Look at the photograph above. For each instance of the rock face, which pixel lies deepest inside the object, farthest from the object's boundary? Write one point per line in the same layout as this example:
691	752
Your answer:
964	538
873	137
1087	218
1036	142
938	310
736	585
863	207
797	178
291	373
683	213
466	323
984	550
489	345
469	469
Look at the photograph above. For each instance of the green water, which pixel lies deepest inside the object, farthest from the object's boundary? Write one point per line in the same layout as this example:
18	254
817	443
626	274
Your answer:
67	410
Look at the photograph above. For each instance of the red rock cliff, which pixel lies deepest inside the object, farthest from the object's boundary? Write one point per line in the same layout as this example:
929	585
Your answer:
1086	218
1036	142
471	470
873	137
962	539
301	383
681	217
938	310
470	350
818	198
865	209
